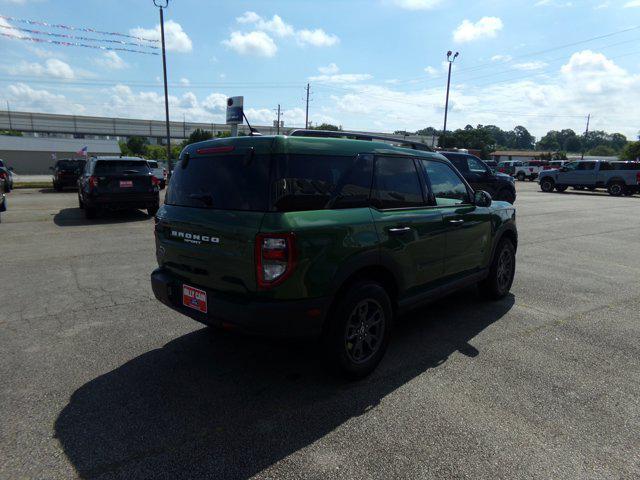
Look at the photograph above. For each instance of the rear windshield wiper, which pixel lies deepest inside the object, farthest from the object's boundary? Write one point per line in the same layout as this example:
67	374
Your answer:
205	198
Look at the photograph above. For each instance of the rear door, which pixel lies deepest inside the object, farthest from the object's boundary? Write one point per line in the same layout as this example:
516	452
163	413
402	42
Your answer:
123	177
582	173
468	228
410	231
213	210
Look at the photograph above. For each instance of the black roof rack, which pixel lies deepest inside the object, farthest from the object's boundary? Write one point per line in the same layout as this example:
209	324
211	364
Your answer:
360	136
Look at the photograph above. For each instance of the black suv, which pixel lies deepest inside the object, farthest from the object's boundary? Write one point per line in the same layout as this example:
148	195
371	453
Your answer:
117	183
481	177
327	237
66	173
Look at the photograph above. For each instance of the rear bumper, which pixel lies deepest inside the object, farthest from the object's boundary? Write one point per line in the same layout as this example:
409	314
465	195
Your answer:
128	200
271	318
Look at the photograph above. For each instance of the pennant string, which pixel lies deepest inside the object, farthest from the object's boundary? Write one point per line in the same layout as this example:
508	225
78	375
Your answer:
81	29
75	44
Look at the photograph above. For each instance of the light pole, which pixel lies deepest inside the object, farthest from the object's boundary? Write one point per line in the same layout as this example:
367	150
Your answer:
162	4
450	59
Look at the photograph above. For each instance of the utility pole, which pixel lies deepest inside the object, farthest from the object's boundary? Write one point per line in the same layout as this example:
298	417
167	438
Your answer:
278	124
306	117
586	132
446	103
9	114
162	4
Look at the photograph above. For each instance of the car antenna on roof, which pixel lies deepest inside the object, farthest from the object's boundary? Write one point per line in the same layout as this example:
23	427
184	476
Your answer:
252	131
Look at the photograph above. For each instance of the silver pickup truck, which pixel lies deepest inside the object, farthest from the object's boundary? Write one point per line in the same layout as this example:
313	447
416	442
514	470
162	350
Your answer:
619	178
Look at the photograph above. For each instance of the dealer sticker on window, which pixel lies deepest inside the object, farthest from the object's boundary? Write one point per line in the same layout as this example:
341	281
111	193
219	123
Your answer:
194	298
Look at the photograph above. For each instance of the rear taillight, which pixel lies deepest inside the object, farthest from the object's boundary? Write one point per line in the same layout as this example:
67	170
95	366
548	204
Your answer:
638	178
155	181
274	257
3	175
93	183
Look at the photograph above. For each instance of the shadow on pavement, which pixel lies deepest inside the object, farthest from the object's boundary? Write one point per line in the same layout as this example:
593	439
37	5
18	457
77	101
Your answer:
73	217
216	405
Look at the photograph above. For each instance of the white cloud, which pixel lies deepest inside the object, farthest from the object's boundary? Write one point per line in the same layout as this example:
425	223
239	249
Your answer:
248	17
176	39
501	58
317	38
486	27
528	66
253	43
111	61
433	72
215	103
632	4
30	99
341	78
417	4
276	25
602	6
185	81
552	3
330	69
51	68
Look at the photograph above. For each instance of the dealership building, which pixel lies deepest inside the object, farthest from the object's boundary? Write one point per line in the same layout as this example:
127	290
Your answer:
34	155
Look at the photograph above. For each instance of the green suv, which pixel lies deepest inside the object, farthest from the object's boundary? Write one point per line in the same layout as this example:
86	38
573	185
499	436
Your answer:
298	236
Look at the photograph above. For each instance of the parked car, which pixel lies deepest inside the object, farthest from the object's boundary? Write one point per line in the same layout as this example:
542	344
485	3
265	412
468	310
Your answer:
3	198
66	173
475	171
555	164
6	174
110	183
509	166
619	178
327	237
159	172
528	170
492	164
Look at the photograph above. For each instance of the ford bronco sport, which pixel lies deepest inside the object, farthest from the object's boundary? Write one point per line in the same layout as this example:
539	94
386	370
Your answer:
324	237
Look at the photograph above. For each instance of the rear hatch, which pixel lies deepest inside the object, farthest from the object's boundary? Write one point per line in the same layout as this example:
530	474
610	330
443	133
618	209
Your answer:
67	170
123	177
213	210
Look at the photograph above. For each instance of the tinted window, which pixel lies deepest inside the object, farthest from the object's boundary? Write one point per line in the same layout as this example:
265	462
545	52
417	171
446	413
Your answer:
586	166
226	182
76	165
315	182
605	166
152	163
396	183
459	162
446	186
626	166
109	167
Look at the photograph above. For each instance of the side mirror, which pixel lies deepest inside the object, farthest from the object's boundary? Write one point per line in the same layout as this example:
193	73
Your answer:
482	199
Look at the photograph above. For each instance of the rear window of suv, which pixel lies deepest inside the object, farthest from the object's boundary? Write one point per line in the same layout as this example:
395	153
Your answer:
111	167
625	166
70	164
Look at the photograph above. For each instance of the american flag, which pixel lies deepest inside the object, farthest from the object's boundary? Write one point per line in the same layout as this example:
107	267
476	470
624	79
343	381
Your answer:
83	151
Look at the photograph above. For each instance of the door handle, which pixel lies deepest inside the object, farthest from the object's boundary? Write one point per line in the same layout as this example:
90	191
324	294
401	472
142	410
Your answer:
399	230
456	222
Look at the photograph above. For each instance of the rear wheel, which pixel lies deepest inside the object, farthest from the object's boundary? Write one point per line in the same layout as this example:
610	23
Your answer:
359	330
501	272
547	185
521	176
561	188
616	189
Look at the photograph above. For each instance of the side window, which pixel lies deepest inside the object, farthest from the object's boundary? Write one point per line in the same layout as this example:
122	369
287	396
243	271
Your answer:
396	183
571	166
586	165
459	162
605	166
446	186
475	165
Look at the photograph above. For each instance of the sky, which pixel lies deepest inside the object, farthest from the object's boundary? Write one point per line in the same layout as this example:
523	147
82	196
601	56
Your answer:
377	65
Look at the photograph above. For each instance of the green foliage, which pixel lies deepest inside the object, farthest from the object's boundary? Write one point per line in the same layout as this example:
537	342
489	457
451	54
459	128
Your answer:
602	151
326	126
11	133
223	134
198	135
137	145
631	151
156	152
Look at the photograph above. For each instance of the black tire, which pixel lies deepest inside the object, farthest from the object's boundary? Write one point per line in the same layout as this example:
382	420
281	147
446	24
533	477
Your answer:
629	192
152	211
616	189
359	325
579	187
501	272
547	185
561	188
591	189
90	212
521	177
80	204
506	195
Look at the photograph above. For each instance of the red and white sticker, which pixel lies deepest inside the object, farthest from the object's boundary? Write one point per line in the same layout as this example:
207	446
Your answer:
126	183
194	298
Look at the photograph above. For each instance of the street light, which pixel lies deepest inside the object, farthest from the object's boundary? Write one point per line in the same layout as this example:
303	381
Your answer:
450	59
162	4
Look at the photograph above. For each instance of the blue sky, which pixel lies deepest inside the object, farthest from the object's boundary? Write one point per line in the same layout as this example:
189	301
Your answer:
376	65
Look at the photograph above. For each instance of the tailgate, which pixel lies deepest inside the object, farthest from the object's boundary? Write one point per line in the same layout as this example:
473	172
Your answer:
125	184
209	248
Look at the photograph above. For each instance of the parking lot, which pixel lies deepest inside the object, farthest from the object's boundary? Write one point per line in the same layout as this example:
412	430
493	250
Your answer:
100	380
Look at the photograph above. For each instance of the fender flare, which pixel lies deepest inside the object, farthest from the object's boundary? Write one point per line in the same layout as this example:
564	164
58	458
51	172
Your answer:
368	259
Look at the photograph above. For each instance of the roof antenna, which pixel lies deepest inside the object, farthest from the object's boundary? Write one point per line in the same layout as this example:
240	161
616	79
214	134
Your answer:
252	130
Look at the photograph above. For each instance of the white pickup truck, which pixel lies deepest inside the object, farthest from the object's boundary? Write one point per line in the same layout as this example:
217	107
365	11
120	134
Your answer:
528	170
619	178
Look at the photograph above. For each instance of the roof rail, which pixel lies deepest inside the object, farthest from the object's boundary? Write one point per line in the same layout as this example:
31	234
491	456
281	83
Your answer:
360	136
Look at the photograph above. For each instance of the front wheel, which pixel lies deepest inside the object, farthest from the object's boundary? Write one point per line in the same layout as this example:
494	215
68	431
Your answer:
501	272
547	185
359	330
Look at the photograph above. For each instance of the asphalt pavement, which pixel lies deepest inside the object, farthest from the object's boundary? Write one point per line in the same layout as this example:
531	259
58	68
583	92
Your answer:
99	380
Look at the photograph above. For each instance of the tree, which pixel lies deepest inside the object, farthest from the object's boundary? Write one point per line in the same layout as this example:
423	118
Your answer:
156	152
198	135
326	126
11	133
602	151
618	141
523	139
631	151
137	146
